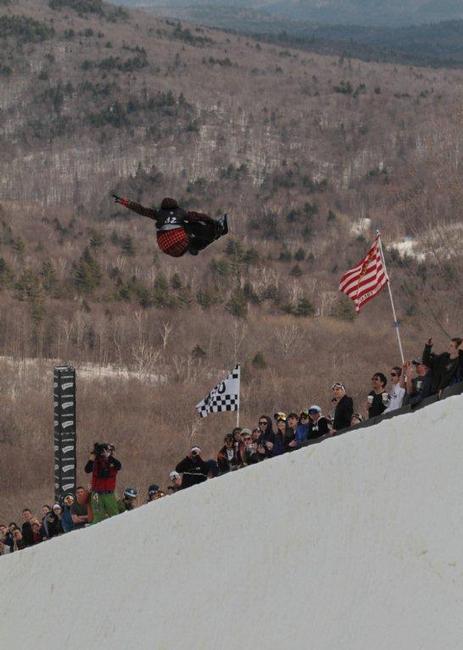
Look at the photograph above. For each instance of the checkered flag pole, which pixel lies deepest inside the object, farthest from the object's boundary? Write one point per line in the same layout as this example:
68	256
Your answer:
223	397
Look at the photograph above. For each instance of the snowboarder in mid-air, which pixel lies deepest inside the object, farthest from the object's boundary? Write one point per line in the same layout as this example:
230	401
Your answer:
179	231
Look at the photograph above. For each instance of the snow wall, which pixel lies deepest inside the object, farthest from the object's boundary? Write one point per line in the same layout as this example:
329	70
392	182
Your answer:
353	544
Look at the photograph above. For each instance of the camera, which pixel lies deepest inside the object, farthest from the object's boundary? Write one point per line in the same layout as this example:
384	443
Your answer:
99	448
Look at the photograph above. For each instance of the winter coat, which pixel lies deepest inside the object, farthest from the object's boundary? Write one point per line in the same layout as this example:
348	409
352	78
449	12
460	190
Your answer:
290	436
28	535
228	459
52	525
302	431
104	472
319	428
279	444
444	370
421	389
266	436
343	413
249	454
194	471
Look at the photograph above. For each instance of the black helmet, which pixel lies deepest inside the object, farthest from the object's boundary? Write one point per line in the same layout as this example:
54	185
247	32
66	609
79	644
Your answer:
131	493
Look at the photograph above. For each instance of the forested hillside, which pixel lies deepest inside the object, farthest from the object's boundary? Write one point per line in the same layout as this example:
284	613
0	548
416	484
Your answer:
308	155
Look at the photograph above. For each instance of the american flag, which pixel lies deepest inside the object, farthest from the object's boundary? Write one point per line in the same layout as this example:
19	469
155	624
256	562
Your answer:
365	281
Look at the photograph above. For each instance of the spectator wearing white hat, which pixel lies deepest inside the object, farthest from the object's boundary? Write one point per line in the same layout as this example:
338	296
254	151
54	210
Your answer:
175	482
193	468
318	424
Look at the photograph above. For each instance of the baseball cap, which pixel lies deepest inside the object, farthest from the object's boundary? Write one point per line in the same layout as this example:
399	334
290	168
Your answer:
315	409
131	492
279	415
153	489
195	449
246	432
338	384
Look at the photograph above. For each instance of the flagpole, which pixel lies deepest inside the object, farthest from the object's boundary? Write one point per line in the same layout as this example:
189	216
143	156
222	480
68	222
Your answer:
239	397
396	322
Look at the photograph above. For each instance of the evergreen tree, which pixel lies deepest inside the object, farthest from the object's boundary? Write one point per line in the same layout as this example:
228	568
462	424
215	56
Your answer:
87	273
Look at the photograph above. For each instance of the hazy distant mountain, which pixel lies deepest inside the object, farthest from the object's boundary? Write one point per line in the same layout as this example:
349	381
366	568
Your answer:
360	12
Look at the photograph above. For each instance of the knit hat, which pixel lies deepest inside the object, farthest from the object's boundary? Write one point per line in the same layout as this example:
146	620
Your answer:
169	204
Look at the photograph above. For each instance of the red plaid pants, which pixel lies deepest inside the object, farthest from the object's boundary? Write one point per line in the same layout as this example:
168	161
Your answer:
173	242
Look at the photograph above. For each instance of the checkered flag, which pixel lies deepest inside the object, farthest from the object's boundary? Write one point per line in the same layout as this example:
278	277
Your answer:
223	397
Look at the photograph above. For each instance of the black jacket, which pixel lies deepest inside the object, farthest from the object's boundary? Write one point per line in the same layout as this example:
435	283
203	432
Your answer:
52	525
318	429
28	535
194	471
290	436
228	459
343	413
421	389
443	368
378	407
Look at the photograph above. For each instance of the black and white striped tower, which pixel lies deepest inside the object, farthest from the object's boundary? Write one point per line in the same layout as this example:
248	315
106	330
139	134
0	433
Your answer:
64	400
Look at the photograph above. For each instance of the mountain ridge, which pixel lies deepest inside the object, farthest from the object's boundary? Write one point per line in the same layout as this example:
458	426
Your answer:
345	12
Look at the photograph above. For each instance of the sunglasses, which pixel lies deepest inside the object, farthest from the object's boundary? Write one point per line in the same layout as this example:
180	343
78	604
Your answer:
262	422
393	374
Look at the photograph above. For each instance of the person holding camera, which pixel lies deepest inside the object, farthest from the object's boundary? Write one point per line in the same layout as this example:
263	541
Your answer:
104	468
193	468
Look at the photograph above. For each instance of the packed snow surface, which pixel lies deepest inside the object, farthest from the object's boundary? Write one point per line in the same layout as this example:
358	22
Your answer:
353	544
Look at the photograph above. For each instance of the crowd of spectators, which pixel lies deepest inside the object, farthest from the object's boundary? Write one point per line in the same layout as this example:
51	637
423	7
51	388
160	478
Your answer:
409	384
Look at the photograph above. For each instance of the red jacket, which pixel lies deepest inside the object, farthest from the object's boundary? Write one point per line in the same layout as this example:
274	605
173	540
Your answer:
104	472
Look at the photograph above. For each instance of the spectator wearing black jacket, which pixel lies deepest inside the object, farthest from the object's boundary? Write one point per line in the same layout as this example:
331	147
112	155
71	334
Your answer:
227	458
344	407
52	522
420	387
26	530
446	368
290	434
266	438
193	468
378	397
318	424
